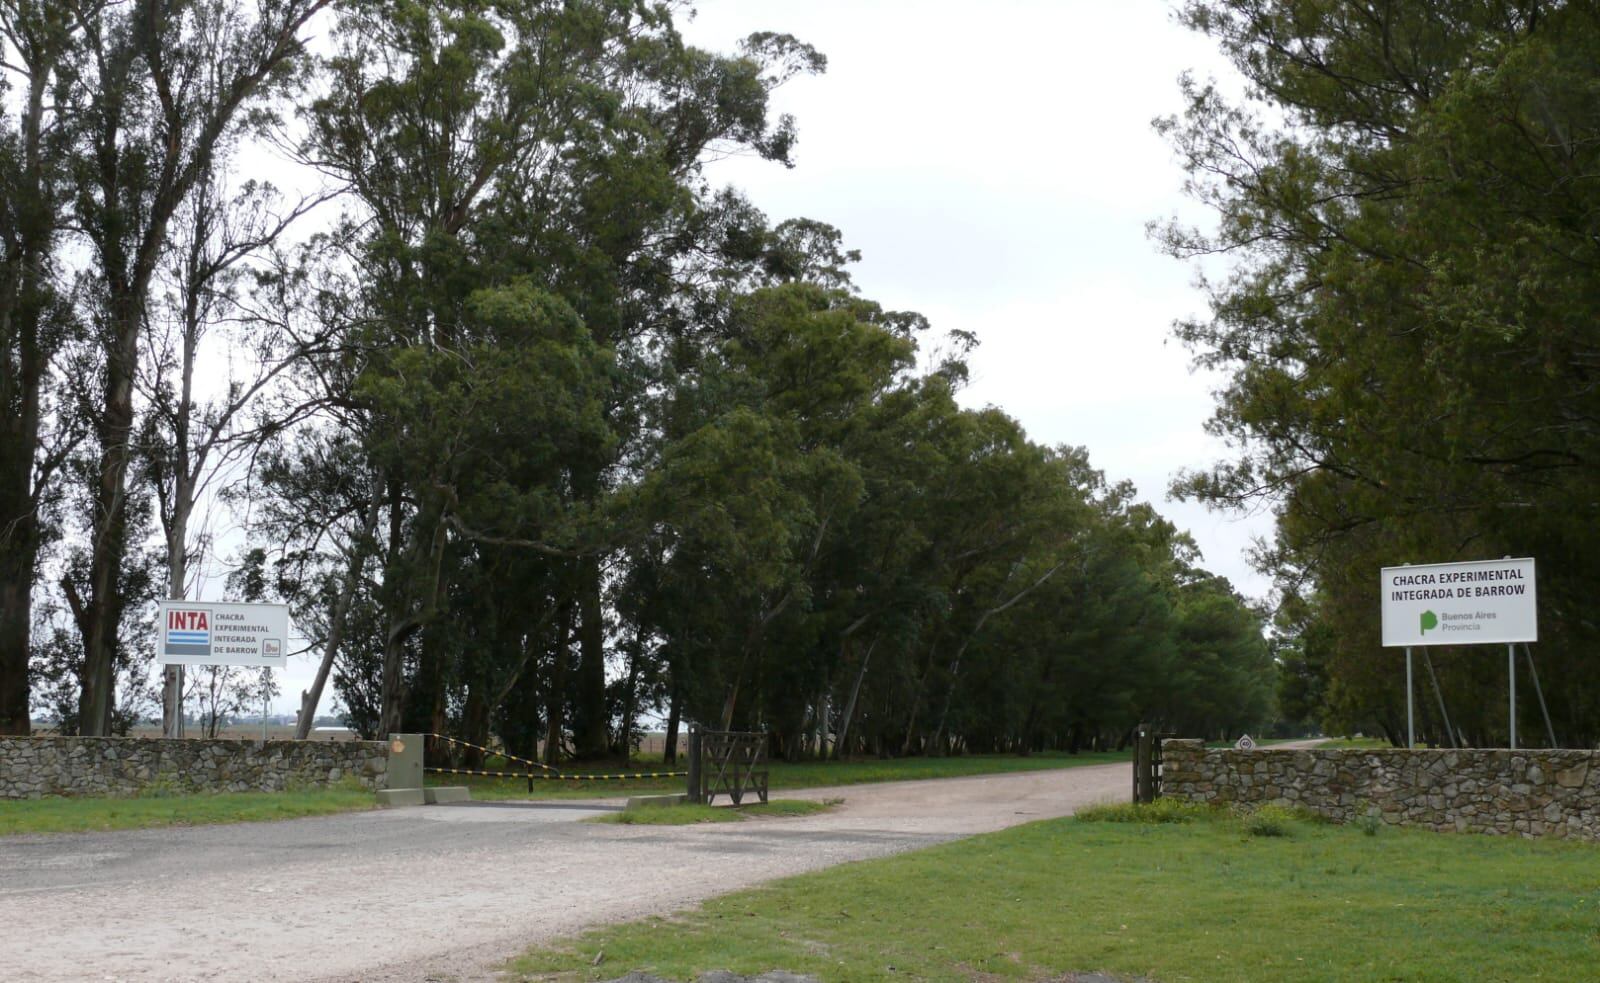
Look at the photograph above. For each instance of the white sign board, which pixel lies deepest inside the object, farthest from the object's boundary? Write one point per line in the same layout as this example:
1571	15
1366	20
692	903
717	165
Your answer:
1477	603
1244	743
206	633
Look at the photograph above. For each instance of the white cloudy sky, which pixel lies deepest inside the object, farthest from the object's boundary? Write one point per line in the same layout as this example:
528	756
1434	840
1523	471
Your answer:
995	165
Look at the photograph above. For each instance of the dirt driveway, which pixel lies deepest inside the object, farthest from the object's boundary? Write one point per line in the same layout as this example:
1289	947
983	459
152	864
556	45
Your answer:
443	892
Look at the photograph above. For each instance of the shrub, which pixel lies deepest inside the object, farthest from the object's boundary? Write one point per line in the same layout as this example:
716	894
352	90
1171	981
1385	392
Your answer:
1159	811
1269	820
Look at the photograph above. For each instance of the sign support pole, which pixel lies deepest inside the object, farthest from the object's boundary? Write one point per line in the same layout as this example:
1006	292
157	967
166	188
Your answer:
1449	732
1549	728
1411	720
1511	663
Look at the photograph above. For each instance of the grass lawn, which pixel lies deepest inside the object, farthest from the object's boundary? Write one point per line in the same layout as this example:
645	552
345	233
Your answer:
1203	901
85	814
783	775
688	815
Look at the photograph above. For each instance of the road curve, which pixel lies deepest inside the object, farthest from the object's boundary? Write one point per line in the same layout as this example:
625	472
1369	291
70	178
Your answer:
444	891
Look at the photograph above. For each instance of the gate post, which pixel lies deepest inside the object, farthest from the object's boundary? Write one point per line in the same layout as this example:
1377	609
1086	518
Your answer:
1143	764
696	794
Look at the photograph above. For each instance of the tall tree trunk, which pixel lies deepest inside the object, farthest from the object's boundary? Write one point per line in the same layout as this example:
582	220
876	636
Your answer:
18	557
177	577
669	754
557	693
19	515
360	546
849	714
475	717
589	716
630	697
29	225
108	549
393	689
955	663
179	510
907	746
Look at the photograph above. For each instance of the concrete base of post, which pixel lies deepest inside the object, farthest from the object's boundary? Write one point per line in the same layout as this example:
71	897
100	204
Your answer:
401	797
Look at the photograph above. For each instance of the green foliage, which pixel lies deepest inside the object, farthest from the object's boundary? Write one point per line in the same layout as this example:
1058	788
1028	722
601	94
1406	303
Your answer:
1162	810
556	436
1268	820
1408	193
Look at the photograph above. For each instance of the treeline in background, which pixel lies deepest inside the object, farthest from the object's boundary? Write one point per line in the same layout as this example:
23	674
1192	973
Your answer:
541	434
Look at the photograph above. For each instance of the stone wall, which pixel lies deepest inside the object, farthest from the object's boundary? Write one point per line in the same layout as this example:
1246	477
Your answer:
33	767
1529	792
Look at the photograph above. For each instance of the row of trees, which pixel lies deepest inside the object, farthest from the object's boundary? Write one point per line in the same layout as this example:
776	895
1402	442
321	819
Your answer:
1411	190
538	432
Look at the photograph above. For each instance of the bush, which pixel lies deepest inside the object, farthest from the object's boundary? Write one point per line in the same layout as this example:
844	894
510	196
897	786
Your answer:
1269	820
1159	811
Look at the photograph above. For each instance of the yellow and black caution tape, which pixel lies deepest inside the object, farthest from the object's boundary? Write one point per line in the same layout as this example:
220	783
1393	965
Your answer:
503	754
559	778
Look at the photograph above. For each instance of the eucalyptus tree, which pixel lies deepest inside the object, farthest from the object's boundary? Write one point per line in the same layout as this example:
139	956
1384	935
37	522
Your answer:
38	40
224	282
154	91
526	210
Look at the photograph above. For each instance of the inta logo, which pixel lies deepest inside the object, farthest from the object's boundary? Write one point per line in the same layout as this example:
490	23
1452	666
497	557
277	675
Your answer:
188	632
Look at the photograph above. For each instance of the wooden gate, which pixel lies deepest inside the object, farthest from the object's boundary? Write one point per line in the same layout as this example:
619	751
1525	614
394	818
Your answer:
731	763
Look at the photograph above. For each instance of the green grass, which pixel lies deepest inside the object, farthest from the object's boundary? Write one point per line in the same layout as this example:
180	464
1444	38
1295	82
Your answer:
1159	811
1199	901
87	814
688	815
782	774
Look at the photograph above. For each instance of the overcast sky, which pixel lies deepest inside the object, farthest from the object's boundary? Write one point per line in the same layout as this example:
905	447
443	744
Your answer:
996	166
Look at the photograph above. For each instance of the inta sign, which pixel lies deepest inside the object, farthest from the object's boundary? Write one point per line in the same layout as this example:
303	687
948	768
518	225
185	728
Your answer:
207	633
1476	603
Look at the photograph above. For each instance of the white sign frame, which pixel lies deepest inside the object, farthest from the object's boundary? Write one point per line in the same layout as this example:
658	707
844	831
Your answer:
1478	602
217	633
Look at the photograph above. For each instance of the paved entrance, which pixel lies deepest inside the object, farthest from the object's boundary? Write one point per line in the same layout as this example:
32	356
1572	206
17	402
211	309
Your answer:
447	891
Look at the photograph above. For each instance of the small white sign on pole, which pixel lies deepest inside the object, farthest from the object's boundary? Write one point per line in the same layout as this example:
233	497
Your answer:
208	633
1481	602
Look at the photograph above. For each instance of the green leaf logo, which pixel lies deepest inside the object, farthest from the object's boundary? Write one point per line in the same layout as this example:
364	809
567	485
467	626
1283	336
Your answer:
1429	620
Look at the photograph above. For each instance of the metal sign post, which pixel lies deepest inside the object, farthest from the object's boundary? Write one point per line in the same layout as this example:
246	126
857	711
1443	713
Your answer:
1511	665
1533	670
1411	716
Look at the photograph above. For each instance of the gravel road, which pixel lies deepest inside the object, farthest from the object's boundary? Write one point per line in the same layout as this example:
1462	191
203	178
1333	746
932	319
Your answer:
443	892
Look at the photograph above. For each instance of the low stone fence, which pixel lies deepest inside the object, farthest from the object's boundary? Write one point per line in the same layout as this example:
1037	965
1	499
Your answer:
33	767
1530	792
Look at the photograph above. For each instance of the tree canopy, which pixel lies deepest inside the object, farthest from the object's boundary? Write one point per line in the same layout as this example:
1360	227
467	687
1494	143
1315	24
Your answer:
542	435
1409	330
